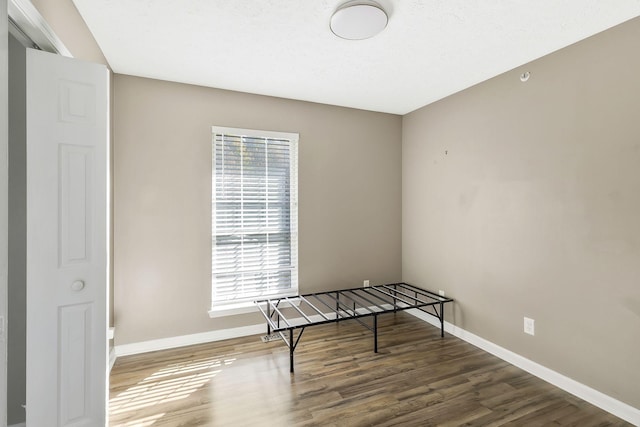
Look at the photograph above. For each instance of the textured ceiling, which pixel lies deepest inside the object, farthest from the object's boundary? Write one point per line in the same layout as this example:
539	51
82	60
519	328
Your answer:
429	50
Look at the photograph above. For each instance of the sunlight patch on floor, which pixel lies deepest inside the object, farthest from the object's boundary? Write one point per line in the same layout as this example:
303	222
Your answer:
142	422
173	382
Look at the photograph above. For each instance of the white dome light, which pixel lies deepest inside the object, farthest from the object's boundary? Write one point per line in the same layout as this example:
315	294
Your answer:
358	20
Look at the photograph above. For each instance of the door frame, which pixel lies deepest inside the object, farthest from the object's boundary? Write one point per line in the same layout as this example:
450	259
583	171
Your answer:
4	205
24	21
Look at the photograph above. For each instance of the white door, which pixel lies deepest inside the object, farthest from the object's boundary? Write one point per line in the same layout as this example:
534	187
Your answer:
67	143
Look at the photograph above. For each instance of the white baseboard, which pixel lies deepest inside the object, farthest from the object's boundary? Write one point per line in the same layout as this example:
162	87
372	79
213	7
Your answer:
112	358
584	392
184	340
204	337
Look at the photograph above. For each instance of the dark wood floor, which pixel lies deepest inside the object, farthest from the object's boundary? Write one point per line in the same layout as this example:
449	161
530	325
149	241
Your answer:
416	379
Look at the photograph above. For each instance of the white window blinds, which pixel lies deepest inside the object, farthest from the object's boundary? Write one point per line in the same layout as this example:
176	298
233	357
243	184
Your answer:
254	215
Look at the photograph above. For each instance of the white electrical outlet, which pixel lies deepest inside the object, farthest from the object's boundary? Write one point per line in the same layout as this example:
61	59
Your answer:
365	283
441	292
529	326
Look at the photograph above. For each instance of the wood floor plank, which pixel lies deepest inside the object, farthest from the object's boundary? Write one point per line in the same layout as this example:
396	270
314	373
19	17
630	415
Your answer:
417	378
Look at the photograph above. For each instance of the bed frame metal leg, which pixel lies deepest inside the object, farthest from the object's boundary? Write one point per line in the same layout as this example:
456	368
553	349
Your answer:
375	334
292	345
268	318
441	320
291	350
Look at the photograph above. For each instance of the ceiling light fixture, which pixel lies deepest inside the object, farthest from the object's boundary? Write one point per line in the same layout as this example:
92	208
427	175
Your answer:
358	20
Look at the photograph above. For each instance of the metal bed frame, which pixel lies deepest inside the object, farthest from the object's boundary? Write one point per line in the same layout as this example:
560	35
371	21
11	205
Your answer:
347	304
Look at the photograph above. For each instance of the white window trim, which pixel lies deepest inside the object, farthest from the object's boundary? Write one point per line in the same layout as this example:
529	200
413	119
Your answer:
229	309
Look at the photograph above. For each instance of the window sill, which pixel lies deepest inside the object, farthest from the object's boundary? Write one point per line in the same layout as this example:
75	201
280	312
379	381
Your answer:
243	308
232	309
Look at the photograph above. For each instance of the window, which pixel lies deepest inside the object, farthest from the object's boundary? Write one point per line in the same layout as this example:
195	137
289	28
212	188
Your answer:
254	219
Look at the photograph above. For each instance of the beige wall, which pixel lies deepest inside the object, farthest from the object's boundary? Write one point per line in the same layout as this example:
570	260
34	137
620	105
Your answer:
523	199
349	199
